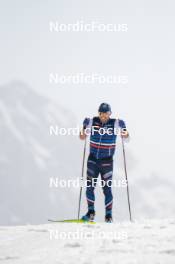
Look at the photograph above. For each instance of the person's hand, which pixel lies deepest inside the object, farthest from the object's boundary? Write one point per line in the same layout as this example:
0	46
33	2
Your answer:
82	135
124	133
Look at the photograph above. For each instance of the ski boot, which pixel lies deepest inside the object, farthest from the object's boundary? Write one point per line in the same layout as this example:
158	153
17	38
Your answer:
89	216
108	218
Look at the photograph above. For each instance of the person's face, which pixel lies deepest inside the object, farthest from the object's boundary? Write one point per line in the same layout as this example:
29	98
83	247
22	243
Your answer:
104	116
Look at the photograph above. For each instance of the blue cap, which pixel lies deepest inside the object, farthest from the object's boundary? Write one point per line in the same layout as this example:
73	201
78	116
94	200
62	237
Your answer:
104	107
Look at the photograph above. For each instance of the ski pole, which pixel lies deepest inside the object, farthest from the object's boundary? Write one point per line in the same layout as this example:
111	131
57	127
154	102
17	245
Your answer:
126	177
82	174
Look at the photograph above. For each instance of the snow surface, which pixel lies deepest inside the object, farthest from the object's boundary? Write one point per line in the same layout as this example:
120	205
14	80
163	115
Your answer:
149	241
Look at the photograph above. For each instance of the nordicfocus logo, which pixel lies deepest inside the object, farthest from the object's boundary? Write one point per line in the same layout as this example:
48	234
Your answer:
76	131
55	182
78	234
84	78
82	26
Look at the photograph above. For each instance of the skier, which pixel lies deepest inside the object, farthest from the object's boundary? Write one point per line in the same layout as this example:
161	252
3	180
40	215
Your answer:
103	134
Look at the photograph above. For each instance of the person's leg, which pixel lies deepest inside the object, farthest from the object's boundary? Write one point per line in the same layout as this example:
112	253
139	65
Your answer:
106	170
92	176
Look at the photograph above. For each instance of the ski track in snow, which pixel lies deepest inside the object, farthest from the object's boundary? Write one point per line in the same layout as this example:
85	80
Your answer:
149	241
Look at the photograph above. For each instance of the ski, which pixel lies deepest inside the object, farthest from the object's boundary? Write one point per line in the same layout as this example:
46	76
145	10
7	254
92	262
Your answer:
72	221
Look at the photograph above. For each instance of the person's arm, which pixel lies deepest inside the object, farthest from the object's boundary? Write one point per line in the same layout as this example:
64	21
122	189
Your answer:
86	124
